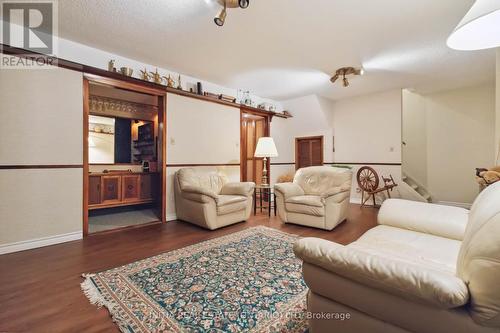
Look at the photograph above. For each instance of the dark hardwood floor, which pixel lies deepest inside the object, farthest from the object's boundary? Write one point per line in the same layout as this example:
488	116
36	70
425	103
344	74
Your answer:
40	289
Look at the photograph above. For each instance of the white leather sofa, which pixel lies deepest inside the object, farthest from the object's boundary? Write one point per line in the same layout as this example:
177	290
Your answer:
424	268
318	197
207	199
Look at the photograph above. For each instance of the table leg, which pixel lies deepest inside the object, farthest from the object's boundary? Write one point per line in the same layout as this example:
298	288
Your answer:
269	203
274	203
255	202
260	197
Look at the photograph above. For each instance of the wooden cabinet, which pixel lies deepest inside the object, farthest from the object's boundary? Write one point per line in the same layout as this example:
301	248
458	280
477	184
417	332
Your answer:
94	190
112	190
130	187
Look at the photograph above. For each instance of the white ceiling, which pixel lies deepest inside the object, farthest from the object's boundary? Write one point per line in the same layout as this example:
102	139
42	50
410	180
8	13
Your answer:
287	48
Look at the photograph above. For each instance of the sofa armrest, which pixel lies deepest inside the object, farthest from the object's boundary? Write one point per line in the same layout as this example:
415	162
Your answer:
288	190
194	191
242	188
438	220
394	276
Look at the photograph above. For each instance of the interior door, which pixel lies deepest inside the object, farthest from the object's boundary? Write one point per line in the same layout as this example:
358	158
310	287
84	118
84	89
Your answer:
253	127
308	151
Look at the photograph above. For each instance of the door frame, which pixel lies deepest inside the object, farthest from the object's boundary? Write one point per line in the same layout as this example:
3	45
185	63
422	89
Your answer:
297	139
162	129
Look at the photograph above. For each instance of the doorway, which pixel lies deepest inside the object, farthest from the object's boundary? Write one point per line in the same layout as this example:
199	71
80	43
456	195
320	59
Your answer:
308	151
124	166
253	127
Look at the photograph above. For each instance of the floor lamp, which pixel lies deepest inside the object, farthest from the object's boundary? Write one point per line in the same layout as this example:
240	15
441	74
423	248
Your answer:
265	148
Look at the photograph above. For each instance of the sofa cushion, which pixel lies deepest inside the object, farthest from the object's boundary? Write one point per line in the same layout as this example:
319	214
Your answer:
439	220
306	204
410	246
230	203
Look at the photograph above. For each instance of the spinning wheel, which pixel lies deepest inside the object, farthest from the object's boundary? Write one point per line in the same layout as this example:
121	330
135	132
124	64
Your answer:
367	179
368	182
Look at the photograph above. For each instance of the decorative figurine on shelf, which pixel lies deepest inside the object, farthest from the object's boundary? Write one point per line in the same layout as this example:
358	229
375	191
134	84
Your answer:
156	77
179	83
111	66
170	82
145	75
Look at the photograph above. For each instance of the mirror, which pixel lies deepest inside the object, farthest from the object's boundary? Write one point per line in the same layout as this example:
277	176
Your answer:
120	141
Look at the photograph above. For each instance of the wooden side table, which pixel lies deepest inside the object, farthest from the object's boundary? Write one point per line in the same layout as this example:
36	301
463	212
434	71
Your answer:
266	195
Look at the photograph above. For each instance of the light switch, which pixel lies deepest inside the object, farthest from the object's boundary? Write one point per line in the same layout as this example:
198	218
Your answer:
172	141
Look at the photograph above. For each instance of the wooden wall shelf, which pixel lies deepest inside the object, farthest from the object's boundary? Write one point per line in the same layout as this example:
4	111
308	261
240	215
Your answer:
62	63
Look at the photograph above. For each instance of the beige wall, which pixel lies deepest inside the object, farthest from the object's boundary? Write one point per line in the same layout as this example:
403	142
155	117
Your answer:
41	124
199	132
414	151
366	128
457	137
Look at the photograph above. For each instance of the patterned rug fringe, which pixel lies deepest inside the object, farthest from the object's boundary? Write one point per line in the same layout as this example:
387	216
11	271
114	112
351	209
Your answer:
96	298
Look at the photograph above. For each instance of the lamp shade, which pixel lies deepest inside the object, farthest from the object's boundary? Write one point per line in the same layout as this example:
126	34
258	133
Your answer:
266	148
479	29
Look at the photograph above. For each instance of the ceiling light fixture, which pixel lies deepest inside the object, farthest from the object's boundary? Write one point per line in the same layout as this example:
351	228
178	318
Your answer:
479	29
220	19
343	72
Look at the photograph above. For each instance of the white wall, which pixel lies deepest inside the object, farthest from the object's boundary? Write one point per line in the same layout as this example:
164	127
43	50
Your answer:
414	151
461	131
368	128
448	135
200	133
41	124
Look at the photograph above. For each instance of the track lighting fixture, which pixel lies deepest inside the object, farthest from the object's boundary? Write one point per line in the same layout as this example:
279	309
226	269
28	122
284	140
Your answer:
346	82
220	19
244	3
343	72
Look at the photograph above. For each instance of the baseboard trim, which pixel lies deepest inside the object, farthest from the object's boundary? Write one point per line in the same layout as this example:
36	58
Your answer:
171	217
40	242
456	204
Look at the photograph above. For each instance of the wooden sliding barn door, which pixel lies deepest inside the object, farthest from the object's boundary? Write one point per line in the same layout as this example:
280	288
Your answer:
308	151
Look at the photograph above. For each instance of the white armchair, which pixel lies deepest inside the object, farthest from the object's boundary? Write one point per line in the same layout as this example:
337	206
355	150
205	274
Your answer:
207	199
424	268
318	197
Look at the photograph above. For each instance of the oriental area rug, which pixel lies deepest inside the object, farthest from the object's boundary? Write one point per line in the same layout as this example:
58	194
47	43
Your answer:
248	281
